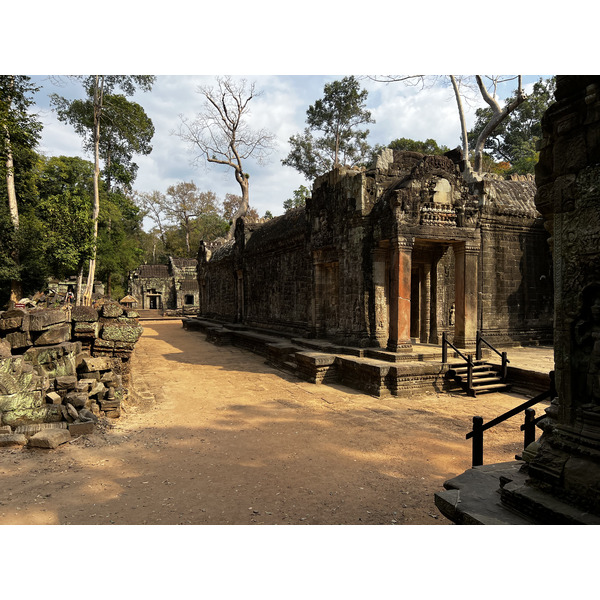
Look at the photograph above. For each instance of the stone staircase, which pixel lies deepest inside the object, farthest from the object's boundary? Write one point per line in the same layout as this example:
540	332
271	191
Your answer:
485	377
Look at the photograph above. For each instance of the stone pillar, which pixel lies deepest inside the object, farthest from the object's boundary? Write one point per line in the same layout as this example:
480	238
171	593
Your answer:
466	262
568	179
425	302
399	338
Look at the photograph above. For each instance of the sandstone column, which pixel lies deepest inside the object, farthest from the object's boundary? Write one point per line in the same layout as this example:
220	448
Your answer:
399	338
425	302
466	261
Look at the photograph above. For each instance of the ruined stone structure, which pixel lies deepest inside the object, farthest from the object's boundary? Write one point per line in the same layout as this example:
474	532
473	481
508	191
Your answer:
166	287
561	483
390	256
62	368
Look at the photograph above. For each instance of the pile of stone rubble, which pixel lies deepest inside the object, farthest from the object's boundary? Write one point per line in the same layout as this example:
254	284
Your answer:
63	369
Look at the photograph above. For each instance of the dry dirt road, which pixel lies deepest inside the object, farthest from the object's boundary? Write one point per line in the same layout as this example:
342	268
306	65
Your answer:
230	440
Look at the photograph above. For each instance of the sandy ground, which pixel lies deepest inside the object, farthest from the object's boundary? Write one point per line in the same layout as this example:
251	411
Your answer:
229	440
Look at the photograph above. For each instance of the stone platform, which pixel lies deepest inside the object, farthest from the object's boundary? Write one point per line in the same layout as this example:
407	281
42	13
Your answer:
372	371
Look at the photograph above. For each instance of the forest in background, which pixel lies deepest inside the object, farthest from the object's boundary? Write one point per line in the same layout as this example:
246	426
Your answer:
70	211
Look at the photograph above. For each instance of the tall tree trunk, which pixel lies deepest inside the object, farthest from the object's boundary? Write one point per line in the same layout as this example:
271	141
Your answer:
245	203
463	123
98	88
79	286
498	115
13	207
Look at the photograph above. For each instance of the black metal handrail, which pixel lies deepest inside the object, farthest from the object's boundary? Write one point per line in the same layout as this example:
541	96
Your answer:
468	358
479	341
528	427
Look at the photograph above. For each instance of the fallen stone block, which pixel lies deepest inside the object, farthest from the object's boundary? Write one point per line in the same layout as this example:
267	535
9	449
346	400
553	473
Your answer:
120	332
19	339
20	400
112	309
97	364
53	398
8	440
47	413
86	329
67	382
84	313
76	399
81	428
109	404
54	335
5	350
40	320
33	428
49	438
5	429
87	415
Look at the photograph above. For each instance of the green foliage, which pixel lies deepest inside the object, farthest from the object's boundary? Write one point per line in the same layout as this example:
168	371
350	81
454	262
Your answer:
125	130
429	146
299	198
336	117
514	140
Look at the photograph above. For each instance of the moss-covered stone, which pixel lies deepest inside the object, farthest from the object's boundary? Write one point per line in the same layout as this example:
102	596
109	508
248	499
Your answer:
20	400
112	309
121	333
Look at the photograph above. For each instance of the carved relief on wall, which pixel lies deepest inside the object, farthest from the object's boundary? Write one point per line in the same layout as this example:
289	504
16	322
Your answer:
586	348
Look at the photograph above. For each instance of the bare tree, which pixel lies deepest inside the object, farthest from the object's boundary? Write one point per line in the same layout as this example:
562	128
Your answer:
221	134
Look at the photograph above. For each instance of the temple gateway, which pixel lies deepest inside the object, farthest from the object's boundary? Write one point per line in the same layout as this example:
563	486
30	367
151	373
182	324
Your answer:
390	256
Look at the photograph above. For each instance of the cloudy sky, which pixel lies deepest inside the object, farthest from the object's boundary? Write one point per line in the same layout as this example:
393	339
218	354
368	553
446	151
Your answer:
399	111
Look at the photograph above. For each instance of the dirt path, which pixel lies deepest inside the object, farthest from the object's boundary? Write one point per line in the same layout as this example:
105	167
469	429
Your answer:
230	440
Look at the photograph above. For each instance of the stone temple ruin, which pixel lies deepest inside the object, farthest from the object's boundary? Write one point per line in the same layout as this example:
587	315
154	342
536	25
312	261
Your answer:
363	282
61	369
561	482
166	288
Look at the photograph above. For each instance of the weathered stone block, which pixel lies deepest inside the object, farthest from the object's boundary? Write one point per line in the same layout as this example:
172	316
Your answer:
42	319
97	364
8	323
20	400
54	335
86	328
53	398
81	428
50	438
112	309
67	382
76	399
44	414
103	345
132	314
5	429
5	350
19	339
8	440
33	428
121	333
84	313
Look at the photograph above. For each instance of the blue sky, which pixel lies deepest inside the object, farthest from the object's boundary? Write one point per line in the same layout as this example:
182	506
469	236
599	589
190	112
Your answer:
399	111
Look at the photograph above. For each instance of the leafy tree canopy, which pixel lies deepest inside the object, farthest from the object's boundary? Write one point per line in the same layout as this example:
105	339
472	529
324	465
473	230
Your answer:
336	119
298	199
429	146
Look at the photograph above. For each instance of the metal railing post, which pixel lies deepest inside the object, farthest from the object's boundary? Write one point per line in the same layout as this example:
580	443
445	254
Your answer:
470	371
444	348
504	366
477	456
529	427
478	346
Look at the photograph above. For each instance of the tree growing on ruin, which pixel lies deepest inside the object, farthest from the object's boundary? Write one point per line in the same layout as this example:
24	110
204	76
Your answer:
336	118
298	199
464	87
231	207
19	134
220	133
98	90
514	140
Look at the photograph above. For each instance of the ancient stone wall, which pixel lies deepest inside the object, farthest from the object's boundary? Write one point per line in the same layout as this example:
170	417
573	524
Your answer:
277	246
66	365
473	254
